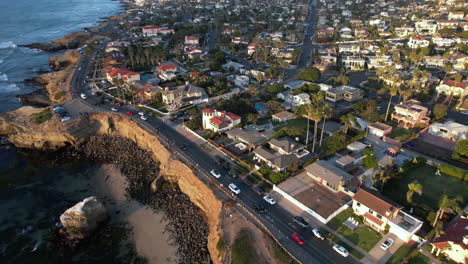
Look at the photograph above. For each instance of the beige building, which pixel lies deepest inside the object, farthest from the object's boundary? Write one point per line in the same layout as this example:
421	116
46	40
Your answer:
184	95
454	88
334	178
219	121
344	92
410	113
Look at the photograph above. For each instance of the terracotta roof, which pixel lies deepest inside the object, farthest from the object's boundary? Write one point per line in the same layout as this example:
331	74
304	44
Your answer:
190	38
166	67
152	27
452	83
373	219
375	201
116	71
208	110
419	38
216	121
454	233
232	116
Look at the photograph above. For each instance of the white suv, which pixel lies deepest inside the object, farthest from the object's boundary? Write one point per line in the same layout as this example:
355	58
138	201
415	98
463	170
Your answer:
234	188
387	243
341	250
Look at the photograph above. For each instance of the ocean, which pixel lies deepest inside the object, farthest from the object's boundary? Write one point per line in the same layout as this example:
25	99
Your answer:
25	22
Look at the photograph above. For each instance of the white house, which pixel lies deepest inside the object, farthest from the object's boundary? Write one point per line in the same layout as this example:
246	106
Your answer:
300	99
191	40
426	27
449	129
451	87
123	74
241	81
453	242
353	63
418	42
218	121
236	66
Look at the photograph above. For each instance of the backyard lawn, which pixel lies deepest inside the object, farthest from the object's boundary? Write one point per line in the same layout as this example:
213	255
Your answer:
401	134
300	123
399	255
433	187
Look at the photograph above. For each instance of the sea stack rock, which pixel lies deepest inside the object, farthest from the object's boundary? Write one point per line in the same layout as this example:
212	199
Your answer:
83	218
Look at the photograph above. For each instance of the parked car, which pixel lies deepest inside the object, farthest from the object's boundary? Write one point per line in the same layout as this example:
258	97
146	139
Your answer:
183	146
76	90
83	96
387	243
269	199
298	238
141	113
57	108
234	188
143	118
318	234
216	174
259	208
341	250
247	182
257	190
65	118
114	109
300	221
118	104
129	113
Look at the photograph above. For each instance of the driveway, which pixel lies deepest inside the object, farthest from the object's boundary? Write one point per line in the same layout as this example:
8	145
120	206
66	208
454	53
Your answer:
383	255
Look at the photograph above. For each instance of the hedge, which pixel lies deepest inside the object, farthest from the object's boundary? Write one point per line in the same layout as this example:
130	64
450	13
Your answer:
453	171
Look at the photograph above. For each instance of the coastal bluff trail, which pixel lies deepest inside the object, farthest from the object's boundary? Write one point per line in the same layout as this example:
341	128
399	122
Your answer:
25	132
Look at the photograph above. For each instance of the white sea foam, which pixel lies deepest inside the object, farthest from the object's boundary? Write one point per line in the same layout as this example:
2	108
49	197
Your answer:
8	88
3	77
7	45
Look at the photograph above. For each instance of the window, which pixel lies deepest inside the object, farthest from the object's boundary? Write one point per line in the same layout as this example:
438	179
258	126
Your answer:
370	211
358	204
379	216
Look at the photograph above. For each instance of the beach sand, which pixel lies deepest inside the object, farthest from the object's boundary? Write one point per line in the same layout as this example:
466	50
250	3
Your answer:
148	227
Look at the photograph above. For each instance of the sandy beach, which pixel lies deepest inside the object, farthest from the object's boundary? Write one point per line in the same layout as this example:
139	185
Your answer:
148	227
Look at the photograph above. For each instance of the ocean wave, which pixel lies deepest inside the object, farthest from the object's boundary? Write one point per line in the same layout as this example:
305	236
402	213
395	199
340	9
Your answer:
8	88
7	45
3	77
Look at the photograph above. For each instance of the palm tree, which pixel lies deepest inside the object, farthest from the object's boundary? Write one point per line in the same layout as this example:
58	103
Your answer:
384	174
348	120
447	205
326	113
309	113
392	90
317	102
414	187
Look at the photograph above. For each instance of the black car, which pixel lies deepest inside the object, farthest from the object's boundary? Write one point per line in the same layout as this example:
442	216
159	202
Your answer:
258	191
259	208
183	147
247	182
300	221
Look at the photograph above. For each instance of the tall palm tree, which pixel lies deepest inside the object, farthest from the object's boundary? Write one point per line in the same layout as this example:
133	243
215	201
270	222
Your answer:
447	205
317	102
348	120
414	187
392	90
384	174
309	113
326	113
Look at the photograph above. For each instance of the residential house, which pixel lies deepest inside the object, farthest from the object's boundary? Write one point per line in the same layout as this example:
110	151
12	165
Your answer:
449	130
282	116
241	81
349	48
458	60
453	243
166	72
150	31
447	24
184	95
219	121
191	41
443	42
380	61
300	99
383	214
426	27
353	63
459	15
418	42
251	135
344	92
123	74
252	48
235	66
410	113
273	159
404	31
332	177
379	129
434	61
293	85
454	88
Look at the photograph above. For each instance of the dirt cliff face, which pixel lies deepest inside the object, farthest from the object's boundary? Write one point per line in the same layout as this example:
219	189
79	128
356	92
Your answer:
61	61
53	134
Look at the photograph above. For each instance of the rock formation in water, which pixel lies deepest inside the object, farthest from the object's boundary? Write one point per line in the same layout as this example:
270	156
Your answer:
83	218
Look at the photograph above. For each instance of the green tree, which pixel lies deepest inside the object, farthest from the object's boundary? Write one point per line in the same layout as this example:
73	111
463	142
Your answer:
275	88
392	90
461	150
440	111
274	106
326	113
310	74
447	204
252	118
414	187
384	174
349	120
369	161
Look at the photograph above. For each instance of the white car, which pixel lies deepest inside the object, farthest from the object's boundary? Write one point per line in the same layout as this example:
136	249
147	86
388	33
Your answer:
269	199
341	250
387	243
65	118
216	174
141	113
114	109
234	188
143	118
318	234
83	96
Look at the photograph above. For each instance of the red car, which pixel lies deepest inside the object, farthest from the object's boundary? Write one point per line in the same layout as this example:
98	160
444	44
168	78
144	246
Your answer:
77	90
118	104
129	113
298	239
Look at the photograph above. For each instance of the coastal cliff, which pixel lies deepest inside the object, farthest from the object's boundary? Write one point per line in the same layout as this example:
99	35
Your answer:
70	41
52	134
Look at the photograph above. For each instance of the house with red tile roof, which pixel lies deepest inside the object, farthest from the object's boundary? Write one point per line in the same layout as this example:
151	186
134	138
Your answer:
453	243
218	120
166	72
383	214
124	74
418	42
450	87
191	40
150	31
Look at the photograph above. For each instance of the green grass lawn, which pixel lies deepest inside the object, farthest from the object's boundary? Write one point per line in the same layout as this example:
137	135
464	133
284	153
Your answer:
401	134
399	255
433	187
364	237
243	251
351	250
419	258
300	123
336	222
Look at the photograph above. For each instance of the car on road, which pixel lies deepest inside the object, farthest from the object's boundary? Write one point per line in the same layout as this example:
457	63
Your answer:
216	174
257	190
318	234
234	188
247	182
118	104
183	146
298	238
259	208
143	117
129	113
269	199
65	118
387	243
57	108
341	250
83	96
141	113
301	221
114	109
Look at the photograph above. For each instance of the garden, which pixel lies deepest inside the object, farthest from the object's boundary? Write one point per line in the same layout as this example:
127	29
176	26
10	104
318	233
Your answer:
401	134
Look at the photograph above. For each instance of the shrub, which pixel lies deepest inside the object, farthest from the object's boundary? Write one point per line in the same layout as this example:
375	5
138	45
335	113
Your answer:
453	171
59	95
43	116
221	245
